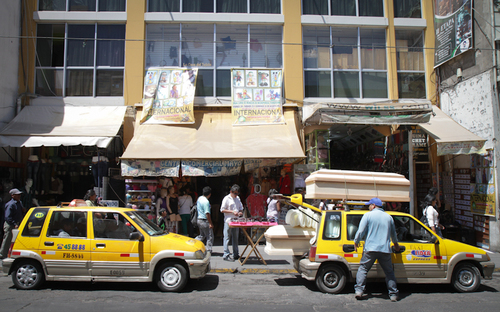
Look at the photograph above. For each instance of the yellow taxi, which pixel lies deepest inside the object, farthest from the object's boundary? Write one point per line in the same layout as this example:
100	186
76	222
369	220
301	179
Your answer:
101	244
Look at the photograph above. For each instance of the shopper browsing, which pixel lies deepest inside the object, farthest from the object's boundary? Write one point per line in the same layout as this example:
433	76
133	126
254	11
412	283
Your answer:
231	207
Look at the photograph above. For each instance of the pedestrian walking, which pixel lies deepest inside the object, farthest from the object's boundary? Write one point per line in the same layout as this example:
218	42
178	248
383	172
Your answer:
204	219
13	218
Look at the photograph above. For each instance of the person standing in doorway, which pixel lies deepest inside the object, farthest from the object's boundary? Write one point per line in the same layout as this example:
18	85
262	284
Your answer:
377	229
204	219
13	218
285	183
231	207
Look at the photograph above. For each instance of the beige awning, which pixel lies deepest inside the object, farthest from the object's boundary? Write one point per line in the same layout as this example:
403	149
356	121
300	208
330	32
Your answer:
213	136
63	125
451	137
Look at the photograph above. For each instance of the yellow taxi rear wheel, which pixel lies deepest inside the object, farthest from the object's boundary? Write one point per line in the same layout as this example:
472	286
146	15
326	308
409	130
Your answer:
171	276
466	278
331	279
28	274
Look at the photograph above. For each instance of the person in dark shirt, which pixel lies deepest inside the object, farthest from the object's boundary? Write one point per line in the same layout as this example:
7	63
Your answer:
13	218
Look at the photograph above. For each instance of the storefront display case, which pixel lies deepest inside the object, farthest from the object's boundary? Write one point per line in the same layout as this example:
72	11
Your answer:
140	193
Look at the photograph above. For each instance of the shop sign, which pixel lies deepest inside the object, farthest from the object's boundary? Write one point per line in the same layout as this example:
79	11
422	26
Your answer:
458	148
256	96
252	164
482	185
453	27
211	168
169	95
152	168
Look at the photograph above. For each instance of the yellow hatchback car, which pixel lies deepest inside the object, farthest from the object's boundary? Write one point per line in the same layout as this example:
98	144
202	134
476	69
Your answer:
101	244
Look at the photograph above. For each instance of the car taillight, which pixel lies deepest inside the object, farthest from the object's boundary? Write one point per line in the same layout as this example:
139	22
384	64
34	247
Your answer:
10	250
312	254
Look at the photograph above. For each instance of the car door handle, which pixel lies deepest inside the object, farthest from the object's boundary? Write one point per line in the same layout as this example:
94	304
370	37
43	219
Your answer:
48	243
401	249
100	245
348	248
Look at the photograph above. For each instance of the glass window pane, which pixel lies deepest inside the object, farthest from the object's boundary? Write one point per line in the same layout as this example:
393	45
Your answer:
344	7
265	6
371	7
109	83
82	5
317	84
266	46
52	5
80	52
49	82
162	45
411	85
223	85
315	7
409	49
407	8
112	5
346	84
198	6
374	85
373	48
205	83
164	6
316	47
345	48
111	52
197	44
79	82
231	6
232	45
50	50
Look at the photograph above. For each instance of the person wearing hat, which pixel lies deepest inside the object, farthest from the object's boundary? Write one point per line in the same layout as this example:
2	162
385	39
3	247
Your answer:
162	222
377	229
13	217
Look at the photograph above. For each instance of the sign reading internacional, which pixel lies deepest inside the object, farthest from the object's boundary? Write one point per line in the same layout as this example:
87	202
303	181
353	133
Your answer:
256	96
453	26
169	95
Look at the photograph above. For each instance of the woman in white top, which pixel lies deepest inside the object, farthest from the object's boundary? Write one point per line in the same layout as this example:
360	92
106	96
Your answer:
273	206
432	215
185	204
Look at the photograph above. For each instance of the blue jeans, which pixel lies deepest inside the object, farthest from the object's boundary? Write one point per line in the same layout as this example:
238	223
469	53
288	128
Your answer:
205	233
366	263
230	233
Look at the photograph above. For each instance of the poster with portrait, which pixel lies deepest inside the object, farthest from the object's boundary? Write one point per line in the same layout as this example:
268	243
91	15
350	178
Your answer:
256	96
169	95
453	28
482	184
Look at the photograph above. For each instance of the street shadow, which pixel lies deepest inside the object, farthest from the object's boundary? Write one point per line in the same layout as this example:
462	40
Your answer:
297	280
255	260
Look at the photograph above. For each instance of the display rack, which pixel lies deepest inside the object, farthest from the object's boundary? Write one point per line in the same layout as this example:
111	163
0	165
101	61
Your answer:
140	192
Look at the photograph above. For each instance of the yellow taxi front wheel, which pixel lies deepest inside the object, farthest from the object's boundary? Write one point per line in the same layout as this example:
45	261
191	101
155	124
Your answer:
466	278
171	276
331	279
27	274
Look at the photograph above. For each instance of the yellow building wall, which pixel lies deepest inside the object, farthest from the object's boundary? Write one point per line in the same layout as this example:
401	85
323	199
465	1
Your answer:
429	44
26	75
392	66
293	69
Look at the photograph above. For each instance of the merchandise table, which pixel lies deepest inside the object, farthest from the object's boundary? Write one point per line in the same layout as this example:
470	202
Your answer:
245	226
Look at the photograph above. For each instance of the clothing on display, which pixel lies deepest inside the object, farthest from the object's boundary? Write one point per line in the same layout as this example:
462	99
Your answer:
256	203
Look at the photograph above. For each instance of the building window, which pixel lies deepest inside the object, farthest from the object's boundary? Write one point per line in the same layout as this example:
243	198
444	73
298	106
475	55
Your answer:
343	7
407	8
80	60
345	62
82	5
216	6
410	60
214	49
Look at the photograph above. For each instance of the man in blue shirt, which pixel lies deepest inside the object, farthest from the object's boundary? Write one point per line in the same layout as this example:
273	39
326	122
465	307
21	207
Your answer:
204	219
376	229
13	218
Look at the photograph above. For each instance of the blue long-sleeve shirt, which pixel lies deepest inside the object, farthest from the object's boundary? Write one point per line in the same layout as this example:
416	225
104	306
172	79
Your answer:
13	212
376	229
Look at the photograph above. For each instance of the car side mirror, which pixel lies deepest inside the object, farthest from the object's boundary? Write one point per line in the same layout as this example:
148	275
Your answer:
136	236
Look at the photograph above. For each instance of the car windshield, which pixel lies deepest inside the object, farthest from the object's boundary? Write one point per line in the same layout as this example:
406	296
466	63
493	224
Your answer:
144	223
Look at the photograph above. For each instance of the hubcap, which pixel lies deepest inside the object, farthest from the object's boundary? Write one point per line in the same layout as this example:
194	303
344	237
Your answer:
171	277
27	275
466	278
331	279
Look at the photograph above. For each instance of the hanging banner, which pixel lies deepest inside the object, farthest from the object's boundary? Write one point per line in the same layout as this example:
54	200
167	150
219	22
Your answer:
211	168
453	26
169	95
252	164
482	185
256	96
151	168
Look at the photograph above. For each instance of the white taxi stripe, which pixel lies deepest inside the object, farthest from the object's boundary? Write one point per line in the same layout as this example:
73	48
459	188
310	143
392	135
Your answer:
48	252
328	256
20	253
129	255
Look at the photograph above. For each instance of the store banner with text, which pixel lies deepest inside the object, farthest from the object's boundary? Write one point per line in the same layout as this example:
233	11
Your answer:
252	164
256	96
169	95
211	168
482	185
453	27
151	168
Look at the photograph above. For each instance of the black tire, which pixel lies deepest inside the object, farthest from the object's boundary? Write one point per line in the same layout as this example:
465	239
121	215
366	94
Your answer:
466	278
171	276
331	279
28	274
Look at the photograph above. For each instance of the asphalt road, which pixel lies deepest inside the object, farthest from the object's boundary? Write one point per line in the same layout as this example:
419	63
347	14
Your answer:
242	292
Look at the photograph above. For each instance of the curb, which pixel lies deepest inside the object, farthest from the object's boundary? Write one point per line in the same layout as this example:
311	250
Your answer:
255	271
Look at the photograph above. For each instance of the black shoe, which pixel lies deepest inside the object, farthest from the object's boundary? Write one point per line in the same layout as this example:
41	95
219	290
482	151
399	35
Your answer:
228	258
236	257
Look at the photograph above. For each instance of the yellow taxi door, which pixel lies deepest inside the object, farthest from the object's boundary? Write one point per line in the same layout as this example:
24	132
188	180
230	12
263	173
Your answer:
113	253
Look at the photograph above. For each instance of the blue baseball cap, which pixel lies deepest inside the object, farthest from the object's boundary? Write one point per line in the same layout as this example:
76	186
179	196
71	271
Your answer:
375	201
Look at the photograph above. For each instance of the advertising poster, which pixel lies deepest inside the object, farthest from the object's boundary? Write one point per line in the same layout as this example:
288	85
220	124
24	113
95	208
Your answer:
482	185
169	95
256	96
453	27
211	168
152	168
252	164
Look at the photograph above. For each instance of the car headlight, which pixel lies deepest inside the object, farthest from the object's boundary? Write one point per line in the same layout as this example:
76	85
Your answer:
199	254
